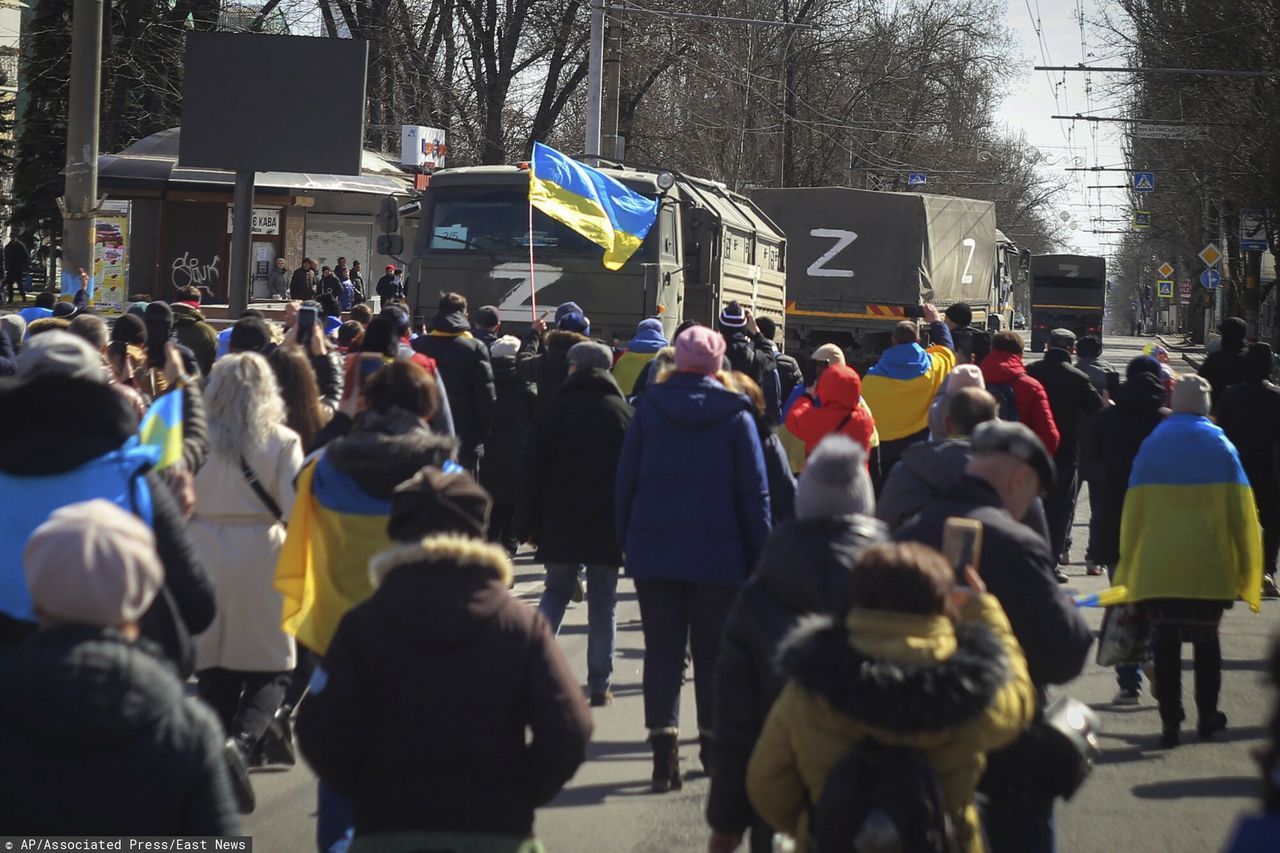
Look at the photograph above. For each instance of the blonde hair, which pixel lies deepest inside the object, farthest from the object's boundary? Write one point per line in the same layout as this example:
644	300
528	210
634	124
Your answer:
243	403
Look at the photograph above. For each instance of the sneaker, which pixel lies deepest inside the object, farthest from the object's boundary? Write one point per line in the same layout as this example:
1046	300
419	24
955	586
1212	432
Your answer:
1127	696
1169	738
1269	587
1092	569
1060	576
600	700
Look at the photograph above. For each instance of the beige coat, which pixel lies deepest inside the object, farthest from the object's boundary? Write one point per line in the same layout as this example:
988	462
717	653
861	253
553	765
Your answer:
239	539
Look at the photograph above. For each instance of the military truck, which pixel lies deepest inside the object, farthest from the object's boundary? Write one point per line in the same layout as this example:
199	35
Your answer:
708	246
1067	292
860	262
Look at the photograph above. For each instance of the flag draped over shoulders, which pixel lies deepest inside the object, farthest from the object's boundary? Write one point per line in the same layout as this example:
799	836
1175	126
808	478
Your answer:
323	569
902	384
1190	526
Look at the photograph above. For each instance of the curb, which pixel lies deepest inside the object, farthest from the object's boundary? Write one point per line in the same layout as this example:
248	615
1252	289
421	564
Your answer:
1184	347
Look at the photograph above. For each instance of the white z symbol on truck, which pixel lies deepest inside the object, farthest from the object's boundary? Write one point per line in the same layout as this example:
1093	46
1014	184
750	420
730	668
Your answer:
843	239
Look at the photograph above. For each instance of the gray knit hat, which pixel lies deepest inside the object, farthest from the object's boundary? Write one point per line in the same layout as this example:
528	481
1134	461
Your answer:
835	481
587	354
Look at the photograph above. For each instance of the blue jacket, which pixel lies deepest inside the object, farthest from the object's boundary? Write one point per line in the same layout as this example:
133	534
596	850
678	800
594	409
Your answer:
692	494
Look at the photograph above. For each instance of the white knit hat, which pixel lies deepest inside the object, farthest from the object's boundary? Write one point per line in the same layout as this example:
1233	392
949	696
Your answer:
835	481
1191	395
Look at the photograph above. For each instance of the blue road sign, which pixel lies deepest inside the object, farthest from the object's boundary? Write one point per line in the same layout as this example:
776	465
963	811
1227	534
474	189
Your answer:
917	179
1144	182
1210	279
1253	231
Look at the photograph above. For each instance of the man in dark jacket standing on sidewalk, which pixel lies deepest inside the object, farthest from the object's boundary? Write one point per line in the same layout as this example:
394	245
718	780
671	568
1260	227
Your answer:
566	502
1225	367
463	362
1071	398
1008	469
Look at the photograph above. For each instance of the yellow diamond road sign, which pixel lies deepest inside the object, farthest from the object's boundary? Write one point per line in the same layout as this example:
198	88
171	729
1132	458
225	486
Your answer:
1165	270
1210	255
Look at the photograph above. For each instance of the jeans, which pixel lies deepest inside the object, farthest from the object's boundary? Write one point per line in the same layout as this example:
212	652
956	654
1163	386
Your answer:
1168	675
243	701
676	615
1060	507
1129	675
1018	824
602	615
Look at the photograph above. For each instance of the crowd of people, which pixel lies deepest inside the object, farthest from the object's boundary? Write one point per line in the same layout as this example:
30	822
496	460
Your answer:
336	545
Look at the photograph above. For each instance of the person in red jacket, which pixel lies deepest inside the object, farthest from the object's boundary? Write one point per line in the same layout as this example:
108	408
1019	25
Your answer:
839	389
1006	376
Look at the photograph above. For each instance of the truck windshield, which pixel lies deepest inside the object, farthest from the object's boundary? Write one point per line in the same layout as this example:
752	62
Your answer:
494	219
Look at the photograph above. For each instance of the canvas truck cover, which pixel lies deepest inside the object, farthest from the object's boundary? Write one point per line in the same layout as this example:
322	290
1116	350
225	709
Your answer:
849	249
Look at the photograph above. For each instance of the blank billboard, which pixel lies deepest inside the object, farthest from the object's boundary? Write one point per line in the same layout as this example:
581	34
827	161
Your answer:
263	103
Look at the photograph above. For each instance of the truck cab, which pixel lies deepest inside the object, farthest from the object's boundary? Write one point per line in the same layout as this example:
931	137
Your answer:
478	236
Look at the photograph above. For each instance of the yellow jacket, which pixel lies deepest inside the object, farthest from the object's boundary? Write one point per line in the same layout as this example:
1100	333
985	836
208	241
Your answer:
832	701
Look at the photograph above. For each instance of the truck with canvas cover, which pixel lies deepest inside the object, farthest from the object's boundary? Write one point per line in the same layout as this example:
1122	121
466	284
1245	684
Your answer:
707	247
1067	292
858	262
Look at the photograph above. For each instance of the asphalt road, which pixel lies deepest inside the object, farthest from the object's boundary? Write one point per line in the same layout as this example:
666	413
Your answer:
1139	799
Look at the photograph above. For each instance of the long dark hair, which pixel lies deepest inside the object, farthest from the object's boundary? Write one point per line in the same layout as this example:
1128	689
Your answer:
301	393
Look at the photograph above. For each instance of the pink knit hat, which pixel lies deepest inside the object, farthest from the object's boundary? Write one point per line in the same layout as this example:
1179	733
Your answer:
965	376
699	350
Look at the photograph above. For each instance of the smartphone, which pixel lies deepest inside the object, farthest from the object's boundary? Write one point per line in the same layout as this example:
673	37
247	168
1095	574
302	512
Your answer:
368	364
962	544
157	337
306	324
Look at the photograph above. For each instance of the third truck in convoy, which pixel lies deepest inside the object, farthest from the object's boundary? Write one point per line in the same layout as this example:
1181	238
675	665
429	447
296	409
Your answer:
858	262
1067	292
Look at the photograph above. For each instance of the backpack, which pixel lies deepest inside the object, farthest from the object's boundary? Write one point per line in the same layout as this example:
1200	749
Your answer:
1007	402
881	799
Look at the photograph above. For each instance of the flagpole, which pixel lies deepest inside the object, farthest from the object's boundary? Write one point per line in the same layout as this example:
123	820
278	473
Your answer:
533	286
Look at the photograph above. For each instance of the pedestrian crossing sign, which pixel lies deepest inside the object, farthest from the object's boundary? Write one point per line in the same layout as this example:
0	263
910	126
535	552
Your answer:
1164	288
1142	219
1144	182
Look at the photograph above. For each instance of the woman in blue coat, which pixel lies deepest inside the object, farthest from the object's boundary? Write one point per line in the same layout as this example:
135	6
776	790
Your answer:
693	516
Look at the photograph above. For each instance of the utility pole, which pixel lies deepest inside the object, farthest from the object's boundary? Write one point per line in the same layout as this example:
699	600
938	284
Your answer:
595	69
80	202
1252	292
611	145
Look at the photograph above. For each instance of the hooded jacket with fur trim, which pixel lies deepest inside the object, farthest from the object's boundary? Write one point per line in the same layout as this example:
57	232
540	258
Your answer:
420	712
953	692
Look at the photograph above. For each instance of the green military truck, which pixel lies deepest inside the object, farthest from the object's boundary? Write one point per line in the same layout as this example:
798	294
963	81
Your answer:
708	246
860	262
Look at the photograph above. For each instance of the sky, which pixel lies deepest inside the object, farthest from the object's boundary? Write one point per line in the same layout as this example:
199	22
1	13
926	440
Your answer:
1049	33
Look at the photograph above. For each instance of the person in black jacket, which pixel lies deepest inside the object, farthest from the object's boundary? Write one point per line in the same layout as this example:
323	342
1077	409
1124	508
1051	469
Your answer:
463	362
1249	413
566	503
971	343
513	417
1072	396
58	415
90	711
543	357
441	771
1008	469
17	260
302	286
804	569
748	352
1225	367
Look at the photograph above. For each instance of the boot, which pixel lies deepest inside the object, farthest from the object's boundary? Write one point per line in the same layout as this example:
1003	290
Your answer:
666	762
237	770
275	749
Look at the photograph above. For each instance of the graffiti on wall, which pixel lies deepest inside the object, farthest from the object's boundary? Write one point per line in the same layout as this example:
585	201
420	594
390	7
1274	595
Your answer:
188	270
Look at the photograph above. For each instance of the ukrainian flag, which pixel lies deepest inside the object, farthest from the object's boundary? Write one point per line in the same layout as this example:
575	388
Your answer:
591	203
323	568
902	384
1190	526
161	427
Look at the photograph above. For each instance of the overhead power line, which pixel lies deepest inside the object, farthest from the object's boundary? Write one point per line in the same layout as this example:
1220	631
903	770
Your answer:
1205	72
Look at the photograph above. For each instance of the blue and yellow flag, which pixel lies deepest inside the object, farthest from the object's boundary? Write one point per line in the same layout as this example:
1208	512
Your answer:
162	427
1190	527
591	203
